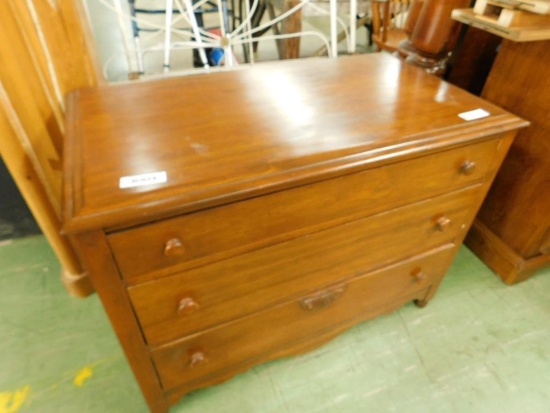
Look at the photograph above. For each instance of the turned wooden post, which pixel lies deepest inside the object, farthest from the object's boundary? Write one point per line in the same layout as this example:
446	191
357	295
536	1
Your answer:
434	34
406	48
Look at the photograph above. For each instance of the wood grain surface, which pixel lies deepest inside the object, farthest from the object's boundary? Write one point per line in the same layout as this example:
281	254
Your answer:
281	325
294	200
226	136
249	282
210	234
514	221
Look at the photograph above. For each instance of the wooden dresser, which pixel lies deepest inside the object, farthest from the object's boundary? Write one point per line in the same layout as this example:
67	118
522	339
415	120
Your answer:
233	218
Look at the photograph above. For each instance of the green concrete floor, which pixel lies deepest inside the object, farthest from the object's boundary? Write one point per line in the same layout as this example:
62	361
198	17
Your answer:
479	346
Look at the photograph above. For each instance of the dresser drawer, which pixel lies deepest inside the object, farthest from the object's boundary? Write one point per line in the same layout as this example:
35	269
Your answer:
255	336
200	298
213	234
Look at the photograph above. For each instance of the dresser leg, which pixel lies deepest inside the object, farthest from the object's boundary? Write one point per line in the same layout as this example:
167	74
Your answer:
77	285
421	303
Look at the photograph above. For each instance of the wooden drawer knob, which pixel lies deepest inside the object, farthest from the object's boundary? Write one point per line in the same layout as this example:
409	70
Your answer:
322	299
419	275
443	223
187	306
467	167
198	358
174	248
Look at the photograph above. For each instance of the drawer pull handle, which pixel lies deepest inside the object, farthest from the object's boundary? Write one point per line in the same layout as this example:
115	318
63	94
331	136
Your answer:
174	248
321	300
467	167
187	306
197	359
442	223
419	275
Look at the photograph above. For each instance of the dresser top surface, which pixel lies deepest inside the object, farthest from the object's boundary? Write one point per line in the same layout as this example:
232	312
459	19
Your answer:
181	144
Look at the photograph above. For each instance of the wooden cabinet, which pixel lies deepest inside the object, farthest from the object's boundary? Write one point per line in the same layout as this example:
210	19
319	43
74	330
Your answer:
512	230
511	233
270	208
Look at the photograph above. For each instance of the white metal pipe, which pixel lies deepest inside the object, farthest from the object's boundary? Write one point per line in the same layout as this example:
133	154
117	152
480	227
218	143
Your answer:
333	29
196	33
168	33
127	49
249	28
276	20
352	26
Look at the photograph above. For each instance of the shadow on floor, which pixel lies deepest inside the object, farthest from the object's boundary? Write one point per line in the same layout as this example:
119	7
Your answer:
16	220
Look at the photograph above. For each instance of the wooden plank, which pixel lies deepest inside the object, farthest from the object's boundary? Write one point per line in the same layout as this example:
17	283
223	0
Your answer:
508	15
533	6
519	18
290	48
62	24
497	255
35	45
517	34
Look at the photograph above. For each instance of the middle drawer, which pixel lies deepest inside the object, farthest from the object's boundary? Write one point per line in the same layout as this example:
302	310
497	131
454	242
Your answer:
196	299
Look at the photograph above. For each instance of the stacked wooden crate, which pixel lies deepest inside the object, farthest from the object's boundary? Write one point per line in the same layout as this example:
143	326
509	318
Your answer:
525	20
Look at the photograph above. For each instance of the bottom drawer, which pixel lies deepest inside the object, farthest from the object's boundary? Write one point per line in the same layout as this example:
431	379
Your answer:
250	340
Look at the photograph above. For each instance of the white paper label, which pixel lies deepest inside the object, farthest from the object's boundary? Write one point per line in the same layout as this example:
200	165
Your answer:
474	114
143	179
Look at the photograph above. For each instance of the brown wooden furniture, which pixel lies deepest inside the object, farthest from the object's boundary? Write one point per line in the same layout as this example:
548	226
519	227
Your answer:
473	60
388	23
512	231
45	52
300	198
432	34
288	48
507	21
435	32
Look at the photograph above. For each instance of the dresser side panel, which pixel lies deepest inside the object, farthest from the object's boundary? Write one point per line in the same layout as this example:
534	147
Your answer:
99	262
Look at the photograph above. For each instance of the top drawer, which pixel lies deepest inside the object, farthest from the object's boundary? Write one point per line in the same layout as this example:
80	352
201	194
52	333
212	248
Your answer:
190	240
